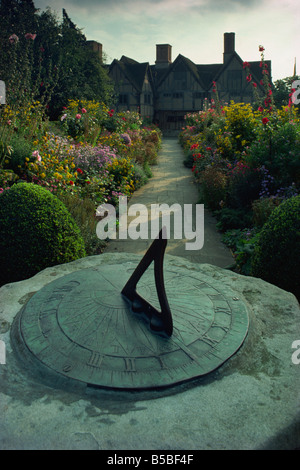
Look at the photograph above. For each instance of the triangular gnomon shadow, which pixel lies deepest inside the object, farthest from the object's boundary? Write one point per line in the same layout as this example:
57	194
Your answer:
160	322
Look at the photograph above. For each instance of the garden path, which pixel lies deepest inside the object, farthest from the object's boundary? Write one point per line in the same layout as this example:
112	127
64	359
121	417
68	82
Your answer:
173	183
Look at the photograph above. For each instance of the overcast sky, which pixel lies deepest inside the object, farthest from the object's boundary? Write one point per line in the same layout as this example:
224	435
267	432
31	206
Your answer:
194	28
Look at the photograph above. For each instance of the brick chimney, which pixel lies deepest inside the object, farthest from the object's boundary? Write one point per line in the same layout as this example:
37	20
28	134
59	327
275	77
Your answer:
96	47
229	46
163	55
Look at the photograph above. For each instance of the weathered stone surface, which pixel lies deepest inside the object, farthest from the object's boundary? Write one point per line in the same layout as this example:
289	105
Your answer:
251	402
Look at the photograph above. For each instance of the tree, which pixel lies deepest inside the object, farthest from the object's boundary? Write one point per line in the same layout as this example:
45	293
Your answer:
282	90
42	55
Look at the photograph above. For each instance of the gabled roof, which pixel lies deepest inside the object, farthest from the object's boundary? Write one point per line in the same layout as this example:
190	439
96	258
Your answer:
208	73
255	68
161	74
204	74
134	71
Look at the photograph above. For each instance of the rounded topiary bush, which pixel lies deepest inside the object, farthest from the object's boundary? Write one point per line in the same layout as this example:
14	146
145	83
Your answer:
276	256
37	231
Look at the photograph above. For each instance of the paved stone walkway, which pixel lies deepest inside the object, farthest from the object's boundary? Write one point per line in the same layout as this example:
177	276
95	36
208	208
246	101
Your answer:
173	183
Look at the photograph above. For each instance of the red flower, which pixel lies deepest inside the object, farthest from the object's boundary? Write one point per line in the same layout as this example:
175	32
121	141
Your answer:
246	64
30	36
260	109
71	183
249	78
254	84
265	120
261	48
79	171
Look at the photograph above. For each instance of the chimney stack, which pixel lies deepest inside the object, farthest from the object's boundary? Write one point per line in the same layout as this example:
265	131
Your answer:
96	47
229	45
163	55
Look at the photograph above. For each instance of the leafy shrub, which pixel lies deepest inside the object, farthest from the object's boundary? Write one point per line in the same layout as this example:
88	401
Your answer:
276	258
277	149
262	209
21	149
229	218
84	214
37	231
244	186
213	187
242	244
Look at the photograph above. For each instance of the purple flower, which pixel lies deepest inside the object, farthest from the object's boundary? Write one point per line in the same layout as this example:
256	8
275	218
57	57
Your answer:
126	138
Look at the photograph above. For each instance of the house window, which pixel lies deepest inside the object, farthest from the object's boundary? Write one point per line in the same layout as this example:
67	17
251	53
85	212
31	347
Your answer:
234	80
177	95
123	99
199	95
147	98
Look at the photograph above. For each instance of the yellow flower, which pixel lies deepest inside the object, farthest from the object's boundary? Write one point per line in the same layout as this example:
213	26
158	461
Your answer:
42	175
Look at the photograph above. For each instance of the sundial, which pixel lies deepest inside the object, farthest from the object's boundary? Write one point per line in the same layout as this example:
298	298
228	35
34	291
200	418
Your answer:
133	327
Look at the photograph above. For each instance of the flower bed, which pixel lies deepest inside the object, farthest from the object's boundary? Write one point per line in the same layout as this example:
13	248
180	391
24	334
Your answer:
246	160
92	154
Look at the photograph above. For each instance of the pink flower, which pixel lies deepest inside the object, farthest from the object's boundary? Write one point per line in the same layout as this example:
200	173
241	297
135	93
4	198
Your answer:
260	109
78	116
83	110
13	39
63	117
37	155
30	36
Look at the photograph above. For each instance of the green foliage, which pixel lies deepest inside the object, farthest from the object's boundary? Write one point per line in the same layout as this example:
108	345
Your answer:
21	149
277	148
45	59
262	209
83	212
244	186
282	90
276	258
242	244
213	187
229	218
37	231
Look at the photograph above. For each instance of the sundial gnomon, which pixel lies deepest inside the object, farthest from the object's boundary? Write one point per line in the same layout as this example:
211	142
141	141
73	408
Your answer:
122	326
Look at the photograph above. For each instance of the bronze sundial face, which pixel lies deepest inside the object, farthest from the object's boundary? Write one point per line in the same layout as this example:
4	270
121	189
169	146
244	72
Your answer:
82	327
